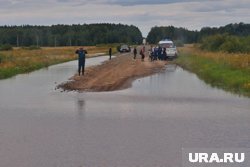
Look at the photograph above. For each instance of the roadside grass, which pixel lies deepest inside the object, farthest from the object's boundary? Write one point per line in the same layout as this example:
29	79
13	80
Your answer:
22	60
228	71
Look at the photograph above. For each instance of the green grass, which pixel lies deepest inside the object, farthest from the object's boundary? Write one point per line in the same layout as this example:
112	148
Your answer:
22	60
12	71
217	74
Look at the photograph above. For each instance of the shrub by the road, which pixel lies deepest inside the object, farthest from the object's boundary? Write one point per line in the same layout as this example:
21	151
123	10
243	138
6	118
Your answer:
179	43
226	43
1	58
32	47
6	47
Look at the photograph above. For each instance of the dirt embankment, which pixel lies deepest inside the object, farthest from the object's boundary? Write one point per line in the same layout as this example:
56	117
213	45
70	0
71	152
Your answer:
114	74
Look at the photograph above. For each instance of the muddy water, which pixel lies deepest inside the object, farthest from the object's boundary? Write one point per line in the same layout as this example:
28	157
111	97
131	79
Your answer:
146	125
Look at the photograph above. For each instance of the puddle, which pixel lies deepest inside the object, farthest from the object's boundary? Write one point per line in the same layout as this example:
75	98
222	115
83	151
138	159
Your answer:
146	125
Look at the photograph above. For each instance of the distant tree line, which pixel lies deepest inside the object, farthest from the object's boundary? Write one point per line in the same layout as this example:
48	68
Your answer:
69	35
170	32
186	36
93	34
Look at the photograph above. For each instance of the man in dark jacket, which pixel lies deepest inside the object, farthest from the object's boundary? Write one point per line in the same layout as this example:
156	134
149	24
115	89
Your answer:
159	53
164	54
110	53
81	60
155	53
135	52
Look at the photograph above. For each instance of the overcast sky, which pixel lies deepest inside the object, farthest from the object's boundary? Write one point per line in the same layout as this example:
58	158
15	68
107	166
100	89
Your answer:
191	14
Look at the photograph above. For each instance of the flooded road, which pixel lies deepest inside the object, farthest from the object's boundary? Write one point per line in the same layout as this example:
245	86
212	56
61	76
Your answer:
143	126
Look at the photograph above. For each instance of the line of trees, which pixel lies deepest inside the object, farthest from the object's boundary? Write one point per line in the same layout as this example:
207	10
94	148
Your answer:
186	36
93	34
181	34
69	35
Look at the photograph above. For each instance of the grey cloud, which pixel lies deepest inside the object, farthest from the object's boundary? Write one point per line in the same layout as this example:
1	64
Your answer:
192	14
227	6
132	2
147	2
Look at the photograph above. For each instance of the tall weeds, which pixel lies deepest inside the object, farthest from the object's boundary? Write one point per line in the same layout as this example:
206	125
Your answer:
21	60
228	71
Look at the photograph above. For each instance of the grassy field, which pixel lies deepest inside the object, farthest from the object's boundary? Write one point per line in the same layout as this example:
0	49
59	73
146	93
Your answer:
228	71
23	60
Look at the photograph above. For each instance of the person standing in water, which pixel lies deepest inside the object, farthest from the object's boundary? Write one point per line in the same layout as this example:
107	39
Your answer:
110	53
81	60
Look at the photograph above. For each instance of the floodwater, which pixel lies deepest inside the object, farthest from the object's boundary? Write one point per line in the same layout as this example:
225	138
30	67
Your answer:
143	126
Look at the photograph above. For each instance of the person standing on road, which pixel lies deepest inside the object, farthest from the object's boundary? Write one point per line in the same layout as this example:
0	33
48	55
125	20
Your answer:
110	53
142	53
164	53
81	60
155	53
159	53
135	52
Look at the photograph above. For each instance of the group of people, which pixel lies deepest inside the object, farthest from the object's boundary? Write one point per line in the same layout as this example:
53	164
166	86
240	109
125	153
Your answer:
158	53
155	53
142	53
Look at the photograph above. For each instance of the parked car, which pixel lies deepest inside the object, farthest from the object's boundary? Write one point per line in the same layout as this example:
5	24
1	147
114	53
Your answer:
124	48
170	48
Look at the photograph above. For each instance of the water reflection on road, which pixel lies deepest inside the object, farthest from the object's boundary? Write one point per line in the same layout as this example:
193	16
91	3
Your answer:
146	125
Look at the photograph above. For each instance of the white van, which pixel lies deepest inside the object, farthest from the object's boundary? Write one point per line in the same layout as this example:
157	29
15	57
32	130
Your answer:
170	48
